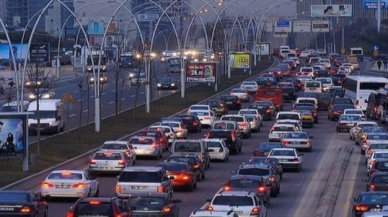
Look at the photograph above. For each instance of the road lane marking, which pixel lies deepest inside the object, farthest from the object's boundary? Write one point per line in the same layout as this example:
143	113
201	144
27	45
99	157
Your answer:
205	205
76	91
142	92
111	102
122	99
64	94
72	115
79	100
86	110
91	97
103	93
113	91
133	96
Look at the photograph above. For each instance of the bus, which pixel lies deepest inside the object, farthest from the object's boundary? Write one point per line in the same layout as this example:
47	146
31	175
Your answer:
358	88
126	60
358	52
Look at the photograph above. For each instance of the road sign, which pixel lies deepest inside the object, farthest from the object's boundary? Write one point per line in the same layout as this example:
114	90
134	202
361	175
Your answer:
301	26
376	47
268	26
320	26
283	26
280	34
343	50
147	17
376	53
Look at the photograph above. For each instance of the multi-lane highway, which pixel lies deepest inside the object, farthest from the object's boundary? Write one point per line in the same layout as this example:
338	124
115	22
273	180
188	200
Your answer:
300	192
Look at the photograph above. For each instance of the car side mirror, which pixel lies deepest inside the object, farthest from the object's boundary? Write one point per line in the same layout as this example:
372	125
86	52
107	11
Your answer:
352	199
366	101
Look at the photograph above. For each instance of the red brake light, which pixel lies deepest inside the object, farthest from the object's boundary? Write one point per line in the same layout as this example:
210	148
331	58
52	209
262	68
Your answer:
372	187
373	171
364	143
166	209
268	111
47	185
121	162
255	211
154	145
79	185
261	189
196	166
92	162
26	209
361	208
161	189
70	214
209	208
285	143
94	202
227	188
296	160
233	137
186	177
272	179
195	123
238	102
369	152
308	143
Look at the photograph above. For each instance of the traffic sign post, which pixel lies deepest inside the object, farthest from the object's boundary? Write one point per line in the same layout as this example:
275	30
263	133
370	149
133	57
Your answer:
376	54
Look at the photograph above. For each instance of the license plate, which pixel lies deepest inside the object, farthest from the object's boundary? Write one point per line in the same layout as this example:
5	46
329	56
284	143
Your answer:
350	124
62	186
375	209
282	160
7	209
228	103
106	168
312	88
239	212
138	187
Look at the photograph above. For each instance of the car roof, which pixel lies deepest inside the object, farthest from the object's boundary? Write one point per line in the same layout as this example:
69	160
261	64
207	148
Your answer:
143	169
116	142
213	140
236	193
252	177
289	112
144	137
149	194
70	171
283	149
260	166
283	125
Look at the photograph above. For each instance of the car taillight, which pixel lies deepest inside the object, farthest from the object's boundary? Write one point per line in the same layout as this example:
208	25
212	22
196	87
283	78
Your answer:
369	152
272	179
308	143
195	123
261	189
268	111
364	143
196	166
372	187
79	185
255	211
26	209
315	114
227	188
296	160
209	208
285	142
166	209
161	189
243	125
154	145
70	214
336	112
185	177
372	162
47	185
208	135
233	137
121	162
92	162
361	208
118	189
238	102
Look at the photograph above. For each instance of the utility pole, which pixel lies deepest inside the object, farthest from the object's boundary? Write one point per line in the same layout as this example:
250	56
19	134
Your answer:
378	16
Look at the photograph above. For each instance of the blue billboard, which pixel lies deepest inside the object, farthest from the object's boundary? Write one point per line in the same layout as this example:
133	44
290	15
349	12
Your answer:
96	28
13	136
19	51
372	4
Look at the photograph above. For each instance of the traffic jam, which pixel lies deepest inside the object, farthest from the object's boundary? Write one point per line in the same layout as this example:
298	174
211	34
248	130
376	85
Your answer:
287	99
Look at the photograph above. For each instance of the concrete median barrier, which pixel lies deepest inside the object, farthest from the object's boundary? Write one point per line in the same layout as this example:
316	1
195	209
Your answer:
328	199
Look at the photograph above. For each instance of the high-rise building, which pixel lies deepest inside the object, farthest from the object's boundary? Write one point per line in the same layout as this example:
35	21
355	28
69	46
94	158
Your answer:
17	12
3	11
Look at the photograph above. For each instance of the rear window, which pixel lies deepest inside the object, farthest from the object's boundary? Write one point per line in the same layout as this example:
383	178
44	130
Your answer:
17	197
244	183
254	172
219	134
233	118
107	156
350	118
213	144
187	147
141	141
378	146
173	167
282	128
147	203
282	153
296	136
342	101
189	160
354	112
233	200
313	84
263	160
223	126
288	116
249	112
140	176
103	209
342	106
66	176
114	146
228	98
199	108
306	70
380	179
153	134
381	165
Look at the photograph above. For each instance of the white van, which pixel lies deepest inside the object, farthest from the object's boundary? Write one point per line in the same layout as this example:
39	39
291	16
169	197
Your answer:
52	116
13	106
313	86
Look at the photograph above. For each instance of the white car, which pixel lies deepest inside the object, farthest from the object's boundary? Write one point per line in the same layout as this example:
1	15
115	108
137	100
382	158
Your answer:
321	66
296	123
355	112
288	157
327	83
217	149
244	203
198	107
242	121
146	146
278	131
296	59
326	62
376	155
179	129
250	86
305	78
241	93
356	65
205	117
373	147
69	183
321	51
288	115
120	146
359	125
248	112
298	140
351	66
304	54
167	130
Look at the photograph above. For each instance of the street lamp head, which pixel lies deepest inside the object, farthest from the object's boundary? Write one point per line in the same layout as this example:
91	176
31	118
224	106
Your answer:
153	55
138	56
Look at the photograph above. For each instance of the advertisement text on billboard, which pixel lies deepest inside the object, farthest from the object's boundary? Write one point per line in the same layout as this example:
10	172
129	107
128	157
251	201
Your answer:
201	72
320	26
13	135
241	60
331	10
40	53
372	4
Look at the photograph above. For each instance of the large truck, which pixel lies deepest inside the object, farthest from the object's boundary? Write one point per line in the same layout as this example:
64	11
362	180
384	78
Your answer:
126	60
93	58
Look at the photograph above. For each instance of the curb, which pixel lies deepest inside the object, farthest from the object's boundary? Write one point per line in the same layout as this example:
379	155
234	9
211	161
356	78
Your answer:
34	180
328	199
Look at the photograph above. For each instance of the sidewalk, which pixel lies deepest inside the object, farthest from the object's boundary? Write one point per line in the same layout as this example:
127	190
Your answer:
373	68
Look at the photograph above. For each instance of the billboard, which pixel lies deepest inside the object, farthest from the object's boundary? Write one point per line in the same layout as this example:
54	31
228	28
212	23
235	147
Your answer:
280	34
13	135
265	48
320	26
40	53
301	26
331	10
240	60
201	72
19	50
372	4
283	26
268	26
96	28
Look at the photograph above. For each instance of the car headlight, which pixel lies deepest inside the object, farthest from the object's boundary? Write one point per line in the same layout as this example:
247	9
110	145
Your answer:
89	68
31	96
159	85
46	96
103	67
52	123
173	84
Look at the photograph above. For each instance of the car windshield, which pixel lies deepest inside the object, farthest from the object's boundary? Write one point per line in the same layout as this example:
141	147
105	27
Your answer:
140	176
233	118
114	146
165	79
147	203
378	146
244	183
94	209
187	147
377	137
282	153
253	171
13	197
197	107
350	118
173	166
107	156
296	136
233	200
213	144
42	114
65	176
380	198
354	112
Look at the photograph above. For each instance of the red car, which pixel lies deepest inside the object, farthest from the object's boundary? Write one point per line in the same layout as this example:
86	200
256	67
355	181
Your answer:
98	206
183	176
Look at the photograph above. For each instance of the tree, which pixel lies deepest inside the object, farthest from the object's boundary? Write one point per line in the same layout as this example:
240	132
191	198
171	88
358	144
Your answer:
40	80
